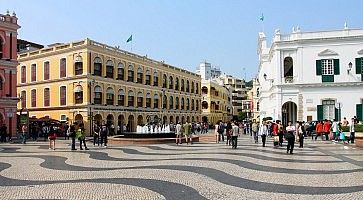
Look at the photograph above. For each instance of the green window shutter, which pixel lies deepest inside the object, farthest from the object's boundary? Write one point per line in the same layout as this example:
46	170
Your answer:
358	65
336	114
359	112
318	67
320	112
336	67
327	78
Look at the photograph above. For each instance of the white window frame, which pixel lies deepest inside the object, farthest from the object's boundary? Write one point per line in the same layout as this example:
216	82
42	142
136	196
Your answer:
328	109
65	118
327	67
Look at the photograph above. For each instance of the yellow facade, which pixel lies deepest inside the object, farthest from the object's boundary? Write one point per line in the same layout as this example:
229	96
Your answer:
216	102
103	83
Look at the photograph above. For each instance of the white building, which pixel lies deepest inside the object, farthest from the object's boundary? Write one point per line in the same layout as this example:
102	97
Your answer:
207	71
305	76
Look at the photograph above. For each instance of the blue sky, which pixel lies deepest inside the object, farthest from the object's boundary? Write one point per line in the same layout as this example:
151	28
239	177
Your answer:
183	33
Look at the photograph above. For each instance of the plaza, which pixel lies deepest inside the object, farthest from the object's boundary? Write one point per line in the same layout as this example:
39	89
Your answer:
207	170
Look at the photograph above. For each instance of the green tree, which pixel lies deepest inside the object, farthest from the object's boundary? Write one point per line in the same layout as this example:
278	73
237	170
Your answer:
242	116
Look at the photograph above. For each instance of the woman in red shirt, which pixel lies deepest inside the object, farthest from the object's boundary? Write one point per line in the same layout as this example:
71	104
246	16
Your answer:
319	129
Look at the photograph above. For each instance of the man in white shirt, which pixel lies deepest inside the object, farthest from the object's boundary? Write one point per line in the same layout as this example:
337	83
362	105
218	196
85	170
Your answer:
178	130
235	133
352	131
334	129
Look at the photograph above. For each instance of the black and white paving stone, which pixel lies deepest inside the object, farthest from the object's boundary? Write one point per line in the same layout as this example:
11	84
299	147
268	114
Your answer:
321	170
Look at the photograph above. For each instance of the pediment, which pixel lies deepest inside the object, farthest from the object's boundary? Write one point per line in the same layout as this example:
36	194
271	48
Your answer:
328	52
360	51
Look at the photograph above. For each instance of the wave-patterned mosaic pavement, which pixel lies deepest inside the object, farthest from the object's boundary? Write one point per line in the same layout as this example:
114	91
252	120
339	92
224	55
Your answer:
166	171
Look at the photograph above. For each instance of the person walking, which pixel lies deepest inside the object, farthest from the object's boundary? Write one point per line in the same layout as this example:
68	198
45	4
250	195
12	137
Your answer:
280	129
216	132
255	130
104	133
81	135
326	128
263	133
96	134
300	134
52	137
221	131
72	134
65	129
319	130
187	132
23	133
235	132
352	131
229	133
178	134
290	136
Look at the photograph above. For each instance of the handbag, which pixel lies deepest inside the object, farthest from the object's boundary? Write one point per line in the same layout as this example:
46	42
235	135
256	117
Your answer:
276	138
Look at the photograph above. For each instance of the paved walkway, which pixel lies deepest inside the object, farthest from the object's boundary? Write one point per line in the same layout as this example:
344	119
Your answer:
166	171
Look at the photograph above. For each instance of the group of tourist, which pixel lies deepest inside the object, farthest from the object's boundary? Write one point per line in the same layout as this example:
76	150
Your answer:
333	130
100	133
183	130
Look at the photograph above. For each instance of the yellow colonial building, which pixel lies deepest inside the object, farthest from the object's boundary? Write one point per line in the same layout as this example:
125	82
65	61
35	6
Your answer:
89	81
216	102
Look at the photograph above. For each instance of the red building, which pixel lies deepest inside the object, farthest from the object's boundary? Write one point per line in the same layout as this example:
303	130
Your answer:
8	62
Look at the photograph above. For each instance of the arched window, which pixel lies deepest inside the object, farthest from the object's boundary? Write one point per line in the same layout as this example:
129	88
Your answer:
176	83
148	100
120	72
109	69
23	99
171	83
156	79
192	108
187	87
196	88
33	71
156	101
97	64
140	75
109	96
46	70
148	77
196	105
78	94
33	96
182	85
140	99
165	102
188	104
63	95
131	98
46	97
182	103
171	102
98	95
177	103
165	80
78	65
62	68
130	74
23	74
288	67
121	97
192	91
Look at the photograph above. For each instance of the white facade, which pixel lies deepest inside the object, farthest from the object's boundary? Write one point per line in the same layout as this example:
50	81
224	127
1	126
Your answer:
207	71
326	69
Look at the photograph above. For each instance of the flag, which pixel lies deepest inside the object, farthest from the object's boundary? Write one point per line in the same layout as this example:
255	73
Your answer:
130	39
262	17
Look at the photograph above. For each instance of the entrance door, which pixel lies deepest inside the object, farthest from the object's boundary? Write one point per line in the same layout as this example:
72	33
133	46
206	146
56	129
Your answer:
289	113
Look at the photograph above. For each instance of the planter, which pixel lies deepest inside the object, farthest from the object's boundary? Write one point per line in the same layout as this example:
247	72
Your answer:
358	139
